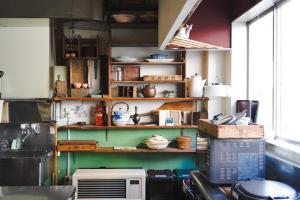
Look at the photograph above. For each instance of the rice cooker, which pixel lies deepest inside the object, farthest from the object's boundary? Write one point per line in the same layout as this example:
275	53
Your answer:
263	189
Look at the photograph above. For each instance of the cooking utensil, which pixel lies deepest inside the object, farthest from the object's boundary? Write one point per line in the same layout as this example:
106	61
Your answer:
136	117
120	117
149	91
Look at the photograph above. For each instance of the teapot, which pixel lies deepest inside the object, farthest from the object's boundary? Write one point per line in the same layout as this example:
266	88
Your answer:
120	117
185	31
149	91
196	86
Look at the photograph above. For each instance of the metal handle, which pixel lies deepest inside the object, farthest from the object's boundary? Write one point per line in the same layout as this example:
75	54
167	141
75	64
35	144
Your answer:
127	106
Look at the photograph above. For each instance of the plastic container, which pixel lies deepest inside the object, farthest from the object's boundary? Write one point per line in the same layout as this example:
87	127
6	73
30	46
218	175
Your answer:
230	160
161	184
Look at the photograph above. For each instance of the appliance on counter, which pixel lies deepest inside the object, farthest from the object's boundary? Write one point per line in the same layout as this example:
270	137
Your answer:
161	184
263	189
245	190
26	140
122	184
35	192
229	160
27	162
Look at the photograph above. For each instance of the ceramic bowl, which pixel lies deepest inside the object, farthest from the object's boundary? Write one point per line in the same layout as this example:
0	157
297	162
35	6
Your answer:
123	18
77	85
156	145
85	85
158	56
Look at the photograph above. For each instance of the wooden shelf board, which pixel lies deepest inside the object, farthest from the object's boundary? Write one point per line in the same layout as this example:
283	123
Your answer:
142	82
138	150
153	127
146	63
191	44
94	127
85	127
157	99
79	99
106	99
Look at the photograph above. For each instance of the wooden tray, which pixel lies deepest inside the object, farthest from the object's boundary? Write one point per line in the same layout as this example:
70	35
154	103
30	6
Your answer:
231	131
77	145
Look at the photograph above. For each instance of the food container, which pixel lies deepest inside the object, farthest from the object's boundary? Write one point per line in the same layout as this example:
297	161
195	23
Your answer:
157	142
184	142
120	117
77	85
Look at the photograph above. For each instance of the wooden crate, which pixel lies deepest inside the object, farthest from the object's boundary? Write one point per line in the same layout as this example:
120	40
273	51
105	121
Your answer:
231	131
131	73
162	77
79	92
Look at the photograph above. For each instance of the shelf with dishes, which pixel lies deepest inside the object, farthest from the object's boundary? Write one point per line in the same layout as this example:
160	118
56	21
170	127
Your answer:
107	99
80	48
128	150
94	127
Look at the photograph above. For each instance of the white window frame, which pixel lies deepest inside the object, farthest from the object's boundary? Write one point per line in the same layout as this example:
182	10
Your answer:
276	66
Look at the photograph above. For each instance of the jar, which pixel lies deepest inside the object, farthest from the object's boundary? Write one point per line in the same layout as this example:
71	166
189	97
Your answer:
118	74
99	115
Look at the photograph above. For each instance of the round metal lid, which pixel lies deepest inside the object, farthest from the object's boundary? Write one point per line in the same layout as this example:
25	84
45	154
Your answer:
264	189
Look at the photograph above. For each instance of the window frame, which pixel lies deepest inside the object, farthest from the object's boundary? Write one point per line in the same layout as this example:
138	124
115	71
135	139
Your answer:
276	67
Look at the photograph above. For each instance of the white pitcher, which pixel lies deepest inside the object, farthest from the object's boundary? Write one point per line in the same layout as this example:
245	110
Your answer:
196	86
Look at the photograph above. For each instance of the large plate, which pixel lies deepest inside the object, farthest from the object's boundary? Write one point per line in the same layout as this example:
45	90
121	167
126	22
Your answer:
125	59
160	60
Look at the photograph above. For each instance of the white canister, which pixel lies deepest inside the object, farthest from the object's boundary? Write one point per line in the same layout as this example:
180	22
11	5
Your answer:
196	86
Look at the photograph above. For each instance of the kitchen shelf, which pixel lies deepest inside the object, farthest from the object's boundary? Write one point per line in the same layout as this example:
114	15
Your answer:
142	82
58	99
157	99
94	127
147	63
137	150
107	99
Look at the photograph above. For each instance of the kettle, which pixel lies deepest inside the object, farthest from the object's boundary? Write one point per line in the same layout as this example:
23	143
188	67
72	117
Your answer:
149	91
185	31
120	117
196	86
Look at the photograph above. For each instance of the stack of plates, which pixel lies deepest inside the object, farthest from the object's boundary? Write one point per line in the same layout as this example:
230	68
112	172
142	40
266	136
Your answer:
125	59
202	143
160	60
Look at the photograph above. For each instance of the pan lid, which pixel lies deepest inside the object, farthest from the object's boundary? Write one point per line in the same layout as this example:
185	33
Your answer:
266	189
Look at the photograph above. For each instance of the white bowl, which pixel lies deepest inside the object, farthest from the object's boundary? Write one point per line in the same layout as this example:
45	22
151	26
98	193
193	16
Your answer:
151	145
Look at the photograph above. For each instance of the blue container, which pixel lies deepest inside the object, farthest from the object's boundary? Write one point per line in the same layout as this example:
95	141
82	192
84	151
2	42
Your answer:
230	160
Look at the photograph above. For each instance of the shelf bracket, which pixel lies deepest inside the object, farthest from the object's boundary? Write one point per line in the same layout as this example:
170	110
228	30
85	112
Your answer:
106	135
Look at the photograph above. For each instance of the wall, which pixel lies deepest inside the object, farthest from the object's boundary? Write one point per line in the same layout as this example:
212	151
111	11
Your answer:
211	22
124	137
24	57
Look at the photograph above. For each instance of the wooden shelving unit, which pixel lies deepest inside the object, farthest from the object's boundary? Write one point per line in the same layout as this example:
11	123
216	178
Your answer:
94	127
147	63
137	150
144	82
107	99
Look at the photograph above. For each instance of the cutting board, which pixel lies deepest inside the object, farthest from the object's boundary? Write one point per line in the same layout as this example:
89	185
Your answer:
178	105
77	145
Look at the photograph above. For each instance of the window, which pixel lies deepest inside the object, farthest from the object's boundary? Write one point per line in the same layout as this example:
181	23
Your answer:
274	68
260	71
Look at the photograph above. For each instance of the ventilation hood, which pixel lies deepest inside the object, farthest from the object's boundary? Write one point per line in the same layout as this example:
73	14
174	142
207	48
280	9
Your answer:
210	19
77	9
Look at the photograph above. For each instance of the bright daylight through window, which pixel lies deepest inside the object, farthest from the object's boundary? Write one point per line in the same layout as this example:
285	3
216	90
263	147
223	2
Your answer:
274	69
